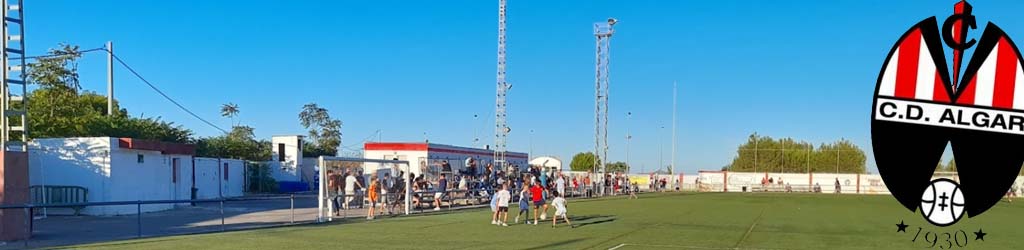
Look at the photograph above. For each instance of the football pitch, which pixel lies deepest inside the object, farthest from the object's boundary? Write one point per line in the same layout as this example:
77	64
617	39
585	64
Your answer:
655	221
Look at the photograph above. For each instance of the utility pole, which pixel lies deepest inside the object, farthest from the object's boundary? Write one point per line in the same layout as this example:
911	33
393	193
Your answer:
661	148
110	78
476	134
531	142
628	138
674	90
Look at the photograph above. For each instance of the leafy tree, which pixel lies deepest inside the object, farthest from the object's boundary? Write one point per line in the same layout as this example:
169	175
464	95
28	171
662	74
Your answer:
583	161
57	109
324	131
617	167
57	70
949	167
762	153
240	143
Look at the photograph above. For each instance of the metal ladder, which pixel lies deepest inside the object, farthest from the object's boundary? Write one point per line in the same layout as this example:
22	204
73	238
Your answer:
14	110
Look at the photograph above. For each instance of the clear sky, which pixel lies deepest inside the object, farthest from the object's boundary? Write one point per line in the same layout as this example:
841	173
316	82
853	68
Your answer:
801	69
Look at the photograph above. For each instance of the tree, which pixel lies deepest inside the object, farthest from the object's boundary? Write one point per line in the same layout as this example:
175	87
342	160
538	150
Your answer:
230	110
617	167
324	131
764	154
59	110
57	70
240	143
583	161
949	167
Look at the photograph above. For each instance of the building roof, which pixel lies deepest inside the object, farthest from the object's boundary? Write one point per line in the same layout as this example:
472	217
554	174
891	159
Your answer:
163	147
434	147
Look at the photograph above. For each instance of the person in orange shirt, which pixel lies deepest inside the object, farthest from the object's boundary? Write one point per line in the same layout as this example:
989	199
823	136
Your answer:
374	192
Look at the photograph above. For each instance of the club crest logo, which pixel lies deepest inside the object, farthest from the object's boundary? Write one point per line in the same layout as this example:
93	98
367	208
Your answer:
920	105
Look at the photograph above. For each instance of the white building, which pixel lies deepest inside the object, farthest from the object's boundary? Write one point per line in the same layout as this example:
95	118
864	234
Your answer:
548	163
426	157
125	169
286	158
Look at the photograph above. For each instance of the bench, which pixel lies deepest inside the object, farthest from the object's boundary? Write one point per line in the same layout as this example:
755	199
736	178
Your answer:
50	195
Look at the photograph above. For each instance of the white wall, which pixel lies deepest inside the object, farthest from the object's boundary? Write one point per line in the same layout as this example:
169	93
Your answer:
413	156
72	162
109	172
286	169
210	180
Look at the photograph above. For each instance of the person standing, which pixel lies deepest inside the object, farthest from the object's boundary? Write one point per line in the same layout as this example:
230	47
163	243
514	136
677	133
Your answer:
838	187
442	186
524	205
350	188
373	194
360	192
387	186
560	183
503	196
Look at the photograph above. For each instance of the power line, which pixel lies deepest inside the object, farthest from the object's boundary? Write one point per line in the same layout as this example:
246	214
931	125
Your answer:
58	55
130	69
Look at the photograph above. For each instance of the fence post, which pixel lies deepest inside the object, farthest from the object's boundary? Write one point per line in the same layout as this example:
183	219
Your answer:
222	214
138	219
28	227
293	208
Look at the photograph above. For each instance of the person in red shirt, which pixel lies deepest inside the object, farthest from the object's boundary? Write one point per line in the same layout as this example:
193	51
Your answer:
537	195
575	185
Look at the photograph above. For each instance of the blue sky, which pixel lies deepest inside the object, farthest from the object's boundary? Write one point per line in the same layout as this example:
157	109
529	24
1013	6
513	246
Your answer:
801	69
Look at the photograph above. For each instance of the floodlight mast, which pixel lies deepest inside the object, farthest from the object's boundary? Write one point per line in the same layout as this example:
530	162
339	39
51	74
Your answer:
501	128
603	34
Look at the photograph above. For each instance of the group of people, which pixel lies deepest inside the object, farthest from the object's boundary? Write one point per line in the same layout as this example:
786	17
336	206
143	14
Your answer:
536	196
385	191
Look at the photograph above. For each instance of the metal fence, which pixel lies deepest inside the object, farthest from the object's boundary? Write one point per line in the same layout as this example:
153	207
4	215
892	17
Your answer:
29	209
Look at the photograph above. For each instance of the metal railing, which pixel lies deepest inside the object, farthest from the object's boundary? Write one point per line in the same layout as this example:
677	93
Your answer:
29	208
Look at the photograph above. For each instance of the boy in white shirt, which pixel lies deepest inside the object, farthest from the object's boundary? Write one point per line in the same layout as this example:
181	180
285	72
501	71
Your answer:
503	197
560	210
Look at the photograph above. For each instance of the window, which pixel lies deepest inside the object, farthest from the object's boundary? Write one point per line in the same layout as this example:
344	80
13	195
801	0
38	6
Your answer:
141	159
280	152
174	170
226	170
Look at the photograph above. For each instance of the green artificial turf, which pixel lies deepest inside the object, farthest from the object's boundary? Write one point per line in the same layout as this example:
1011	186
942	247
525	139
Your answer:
655	221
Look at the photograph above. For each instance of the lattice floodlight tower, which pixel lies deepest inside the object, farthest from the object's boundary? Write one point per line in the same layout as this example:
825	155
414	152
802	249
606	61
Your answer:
603	32
13	120
501	128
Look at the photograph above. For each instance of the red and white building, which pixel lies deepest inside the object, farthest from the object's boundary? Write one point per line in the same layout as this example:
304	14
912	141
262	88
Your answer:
426	157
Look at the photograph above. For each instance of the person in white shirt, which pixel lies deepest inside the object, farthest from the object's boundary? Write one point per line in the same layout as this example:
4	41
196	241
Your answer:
560	210
350	188
503	196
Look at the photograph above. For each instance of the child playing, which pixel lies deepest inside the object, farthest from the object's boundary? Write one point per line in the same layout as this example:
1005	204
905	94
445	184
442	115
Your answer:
560	210
524	205
503	198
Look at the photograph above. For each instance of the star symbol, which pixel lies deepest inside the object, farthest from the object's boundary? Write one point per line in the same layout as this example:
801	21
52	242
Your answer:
979	235
902	227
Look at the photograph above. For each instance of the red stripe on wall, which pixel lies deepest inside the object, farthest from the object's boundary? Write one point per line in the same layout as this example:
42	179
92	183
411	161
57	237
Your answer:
456	151
939	94
906	70
395	146
967	97
1006	73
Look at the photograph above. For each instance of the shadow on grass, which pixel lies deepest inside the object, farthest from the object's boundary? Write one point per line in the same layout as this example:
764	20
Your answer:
585	220
556	244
